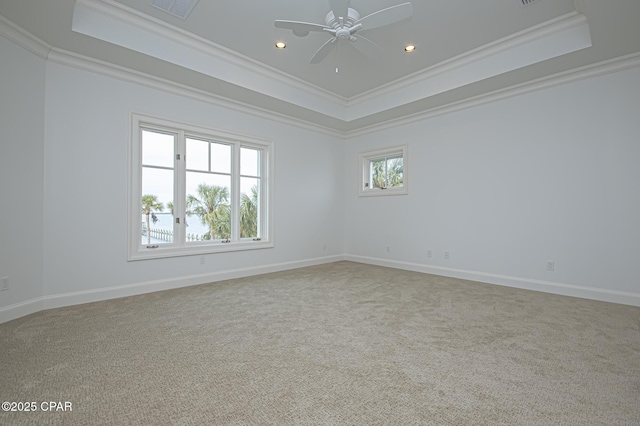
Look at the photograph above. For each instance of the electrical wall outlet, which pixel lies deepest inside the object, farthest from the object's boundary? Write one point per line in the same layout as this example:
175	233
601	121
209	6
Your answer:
388	249
551	265
446	255
429	253
5	283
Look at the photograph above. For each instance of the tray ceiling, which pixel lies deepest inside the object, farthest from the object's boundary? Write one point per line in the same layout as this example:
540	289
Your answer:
464	48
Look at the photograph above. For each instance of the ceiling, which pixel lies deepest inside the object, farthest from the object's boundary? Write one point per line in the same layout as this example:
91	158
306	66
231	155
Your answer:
465	48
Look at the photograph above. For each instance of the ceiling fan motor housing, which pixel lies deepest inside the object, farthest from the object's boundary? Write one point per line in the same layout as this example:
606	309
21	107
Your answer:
333	22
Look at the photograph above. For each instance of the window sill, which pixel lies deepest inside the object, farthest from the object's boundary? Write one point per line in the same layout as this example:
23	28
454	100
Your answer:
383	192
164	251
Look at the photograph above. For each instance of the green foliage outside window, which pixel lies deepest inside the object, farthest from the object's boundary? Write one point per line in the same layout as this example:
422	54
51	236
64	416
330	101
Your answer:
387	172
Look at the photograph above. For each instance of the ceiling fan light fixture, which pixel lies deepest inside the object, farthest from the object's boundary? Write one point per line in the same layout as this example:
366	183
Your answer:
281	45
409	48
342	22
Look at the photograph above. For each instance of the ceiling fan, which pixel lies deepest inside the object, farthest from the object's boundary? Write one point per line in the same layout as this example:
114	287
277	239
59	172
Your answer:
343	22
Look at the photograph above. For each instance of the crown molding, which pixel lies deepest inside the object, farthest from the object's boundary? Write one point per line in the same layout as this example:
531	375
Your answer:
465	58
110	21
24	39
558	36
43	50
115	23
126	14
107	69
608	66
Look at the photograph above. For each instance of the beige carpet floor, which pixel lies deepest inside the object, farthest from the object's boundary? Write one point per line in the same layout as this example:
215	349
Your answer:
336	344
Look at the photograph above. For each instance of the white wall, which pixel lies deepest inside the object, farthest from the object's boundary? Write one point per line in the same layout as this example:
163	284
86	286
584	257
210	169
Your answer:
86	154
507	186
21	172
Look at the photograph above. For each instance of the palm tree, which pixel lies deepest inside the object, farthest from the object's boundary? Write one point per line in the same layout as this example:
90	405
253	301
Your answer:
211	205
170	208
379	175
395	172
223	224
387	172
150	205
249	214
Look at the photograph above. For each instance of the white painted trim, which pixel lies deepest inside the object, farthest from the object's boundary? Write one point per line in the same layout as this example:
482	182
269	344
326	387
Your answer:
604	295
24	39
598	69
473	55
20	309
181	130
31	43
115	23
364	159
119	11
31	306
107	69
556	37
60	56
608	66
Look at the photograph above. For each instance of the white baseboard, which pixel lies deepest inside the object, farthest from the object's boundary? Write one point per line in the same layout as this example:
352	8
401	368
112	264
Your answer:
31	306
614	296
20	309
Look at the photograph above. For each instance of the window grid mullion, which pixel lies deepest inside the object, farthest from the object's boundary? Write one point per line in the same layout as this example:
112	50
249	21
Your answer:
179	245
179	202
235	192
387	157
157	167
386	171
263	192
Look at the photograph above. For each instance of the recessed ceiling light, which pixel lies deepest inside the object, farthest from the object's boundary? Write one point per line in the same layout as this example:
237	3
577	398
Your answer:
409	48
281	44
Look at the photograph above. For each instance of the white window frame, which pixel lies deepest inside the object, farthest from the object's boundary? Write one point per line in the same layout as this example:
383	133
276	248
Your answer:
180	247
364	161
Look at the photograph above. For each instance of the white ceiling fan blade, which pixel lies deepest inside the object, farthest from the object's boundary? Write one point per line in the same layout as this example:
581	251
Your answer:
323	51
300	29
386	16
367	47
340	9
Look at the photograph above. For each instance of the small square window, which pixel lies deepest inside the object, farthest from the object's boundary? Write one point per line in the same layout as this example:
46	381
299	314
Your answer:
383	172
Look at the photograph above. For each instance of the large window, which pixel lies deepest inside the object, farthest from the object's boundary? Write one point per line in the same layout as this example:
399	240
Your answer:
383	172
196	190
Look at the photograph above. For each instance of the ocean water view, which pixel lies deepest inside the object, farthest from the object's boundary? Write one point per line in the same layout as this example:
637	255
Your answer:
165	225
